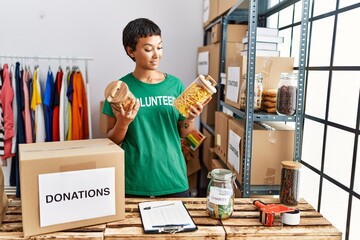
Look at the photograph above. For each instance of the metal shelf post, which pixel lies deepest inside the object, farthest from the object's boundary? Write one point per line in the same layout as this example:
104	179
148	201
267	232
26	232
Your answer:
299	122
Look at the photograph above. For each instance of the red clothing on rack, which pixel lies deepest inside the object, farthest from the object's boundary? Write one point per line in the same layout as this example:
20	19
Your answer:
7	97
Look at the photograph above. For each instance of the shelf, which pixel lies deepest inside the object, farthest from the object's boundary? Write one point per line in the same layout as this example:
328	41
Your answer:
264	189
255	13
260	116
262	7
240	11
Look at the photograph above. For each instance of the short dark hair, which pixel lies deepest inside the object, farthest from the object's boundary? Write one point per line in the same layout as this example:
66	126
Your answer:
138	28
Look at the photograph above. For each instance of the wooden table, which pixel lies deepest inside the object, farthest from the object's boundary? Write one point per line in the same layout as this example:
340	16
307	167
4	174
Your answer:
244	224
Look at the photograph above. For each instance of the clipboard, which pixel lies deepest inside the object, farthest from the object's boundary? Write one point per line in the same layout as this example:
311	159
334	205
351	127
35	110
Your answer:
165	217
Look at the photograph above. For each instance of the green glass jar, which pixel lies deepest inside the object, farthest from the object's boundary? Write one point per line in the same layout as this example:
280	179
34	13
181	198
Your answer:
220	194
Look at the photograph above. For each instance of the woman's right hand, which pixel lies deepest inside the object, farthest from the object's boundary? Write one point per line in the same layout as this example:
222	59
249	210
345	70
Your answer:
124	117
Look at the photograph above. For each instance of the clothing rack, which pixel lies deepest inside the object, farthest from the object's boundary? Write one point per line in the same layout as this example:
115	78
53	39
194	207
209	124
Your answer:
60	58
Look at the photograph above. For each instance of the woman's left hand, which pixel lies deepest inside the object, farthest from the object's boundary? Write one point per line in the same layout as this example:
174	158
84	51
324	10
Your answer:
195	111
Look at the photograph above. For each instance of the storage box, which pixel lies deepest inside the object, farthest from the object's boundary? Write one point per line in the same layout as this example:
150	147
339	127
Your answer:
234	33
269	149
191	158
225	5
208	63
208	60
207	145
221	135
270	67
210	11
216	164
70	184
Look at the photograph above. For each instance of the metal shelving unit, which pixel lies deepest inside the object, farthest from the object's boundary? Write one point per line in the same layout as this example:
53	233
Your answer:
255	13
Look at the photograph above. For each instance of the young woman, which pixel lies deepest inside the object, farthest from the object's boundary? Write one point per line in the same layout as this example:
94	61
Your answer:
151	129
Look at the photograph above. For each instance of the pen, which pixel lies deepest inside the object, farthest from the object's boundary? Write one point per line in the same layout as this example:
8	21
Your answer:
171	225
149	207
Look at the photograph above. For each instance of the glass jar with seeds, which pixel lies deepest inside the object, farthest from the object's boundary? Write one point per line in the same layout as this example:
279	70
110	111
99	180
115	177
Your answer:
289	187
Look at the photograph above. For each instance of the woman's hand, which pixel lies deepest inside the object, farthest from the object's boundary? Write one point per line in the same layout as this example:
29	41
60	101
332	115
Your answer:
125	117
117	127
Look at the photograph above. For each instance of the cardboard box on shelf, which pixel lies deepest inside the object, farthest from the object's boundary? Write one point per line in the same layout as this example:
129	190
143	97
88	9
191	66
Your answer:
221	135
270	67
208	60
216	164
208	162
271	144
235	33
191	158
207	147
225	5
210	11
61	182
208	63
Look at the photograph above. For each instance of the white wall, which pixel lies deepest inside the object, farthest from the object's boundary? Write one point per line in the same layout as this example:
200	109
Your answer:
93	28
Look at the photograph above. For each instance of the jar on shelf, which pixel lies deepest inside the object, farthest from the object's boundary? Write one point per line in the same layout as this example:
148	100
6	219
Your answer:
220	193
200	90
258	90
289	186
287	94
117	93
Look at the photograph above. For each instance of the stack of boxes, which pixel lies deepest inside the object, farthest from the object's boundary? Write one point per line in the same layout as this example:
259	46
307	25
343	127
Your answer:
272	142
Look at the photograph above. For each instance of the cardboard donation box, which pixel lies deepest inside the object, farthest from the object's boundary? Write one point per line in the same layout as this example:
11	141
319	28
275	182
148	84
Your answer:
272	144
269	67
210	11
207	145
221	134
70	184
235	33
208	63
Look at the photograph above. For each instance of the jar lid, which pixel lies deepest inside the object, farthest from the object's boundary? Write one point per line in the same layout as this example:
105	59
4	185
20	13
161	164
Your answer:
208	82
221	174
291	165
116	91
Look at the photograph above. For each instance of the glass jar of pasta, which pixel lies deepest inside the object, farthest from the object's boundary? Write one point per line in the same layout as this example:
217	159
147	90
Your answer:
220	194
198	91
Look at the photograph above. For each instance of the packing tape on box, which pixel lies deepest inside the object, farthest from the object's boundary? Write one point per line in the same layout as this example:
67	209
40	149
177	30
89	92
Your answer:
291	218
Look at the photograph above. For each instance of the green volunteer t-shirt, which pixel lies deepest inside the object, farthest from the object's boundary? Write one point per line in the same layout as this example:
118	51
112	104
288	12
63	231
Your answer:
154	163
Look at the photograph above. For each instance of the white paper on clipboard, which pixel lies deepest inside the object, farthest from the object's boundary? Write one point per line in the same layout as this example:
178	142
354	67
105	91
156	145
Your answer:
165	216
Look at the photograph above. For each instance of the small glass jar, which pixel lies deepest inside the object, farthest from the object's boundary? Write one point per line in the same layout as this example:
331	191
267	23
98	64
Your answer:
198	91
258	90
117	93
287	94
290	179
220	194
